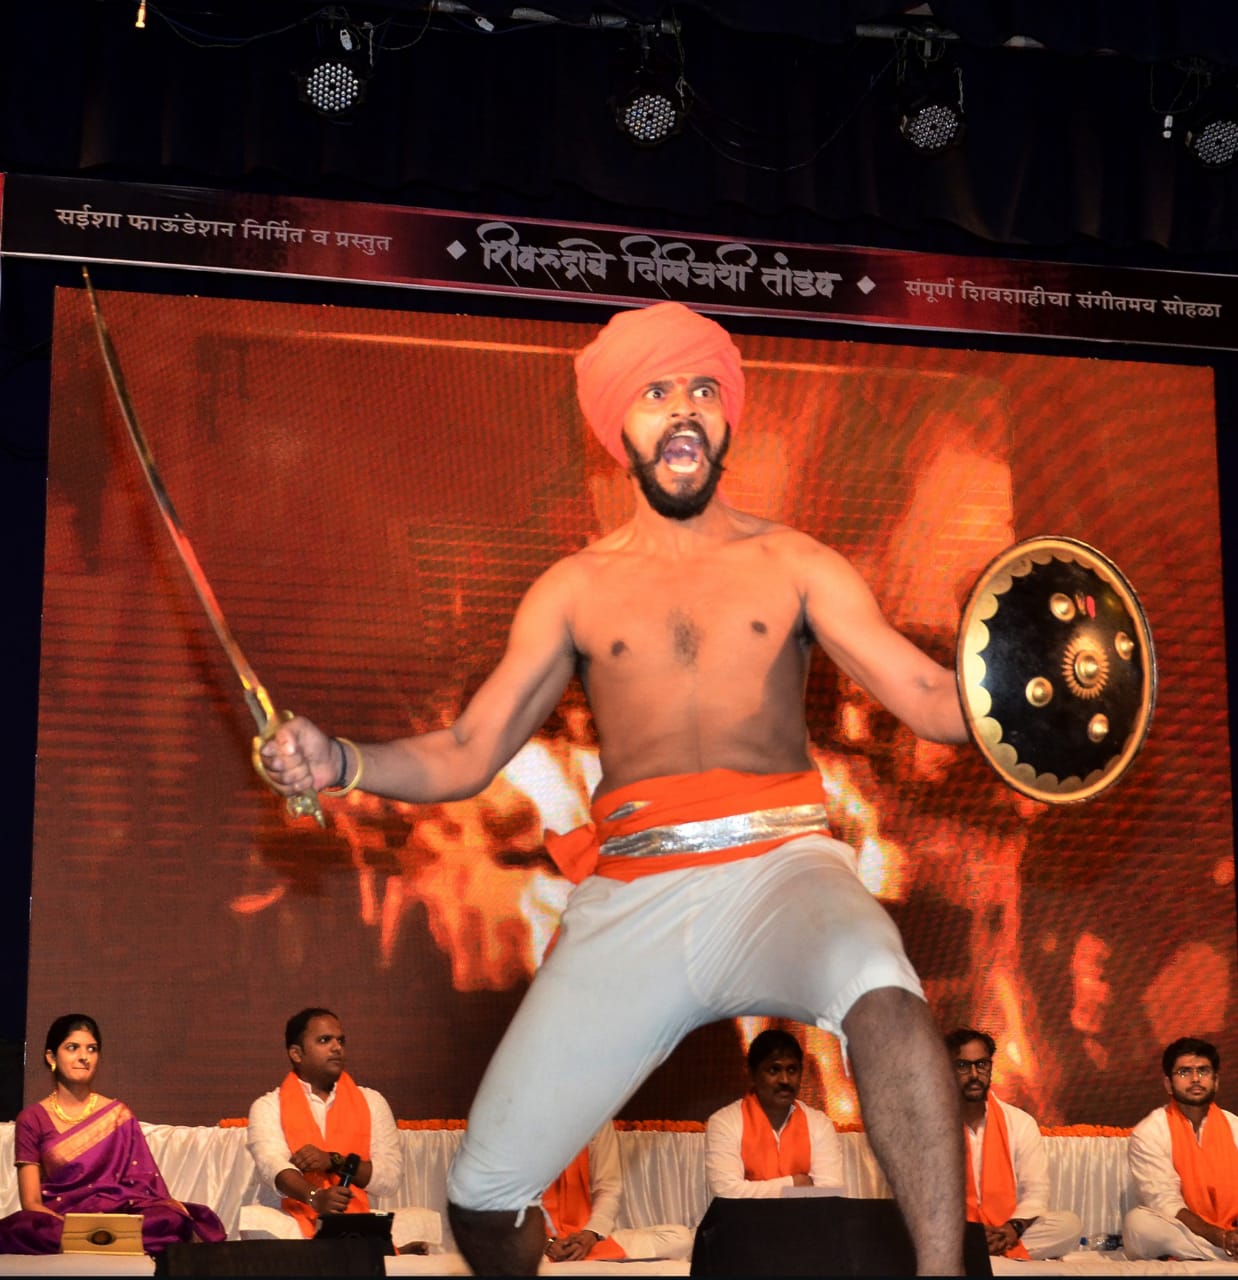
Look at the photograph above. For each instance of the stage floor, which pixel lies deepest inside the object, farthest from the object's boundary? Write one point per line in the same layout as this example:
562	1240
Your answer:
442	1264
452	1264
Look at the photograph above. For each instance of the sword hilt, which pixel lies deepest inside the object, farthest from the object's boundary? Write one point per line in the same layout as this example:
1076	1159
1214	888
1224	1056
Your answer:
304	804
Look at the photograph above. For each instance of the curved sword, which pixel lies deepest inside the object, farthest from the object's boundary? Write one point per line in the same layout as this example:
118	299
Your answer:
256	698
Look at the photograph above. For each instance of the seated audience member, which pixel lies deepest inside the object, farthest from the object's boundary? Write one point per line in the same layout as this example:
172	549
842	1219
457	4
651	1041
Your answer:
301	1134
1184	1163
79	1152
768	1140
581	1206
1007	1168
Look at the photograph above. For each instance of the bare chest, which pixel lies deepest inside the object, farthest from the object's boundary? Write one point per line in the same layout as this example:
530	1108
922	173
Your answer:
690	620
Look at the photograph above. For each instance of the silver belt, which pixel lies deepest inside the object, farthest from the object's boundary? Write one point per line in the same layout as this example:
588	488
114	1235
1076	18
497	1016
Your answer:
712	834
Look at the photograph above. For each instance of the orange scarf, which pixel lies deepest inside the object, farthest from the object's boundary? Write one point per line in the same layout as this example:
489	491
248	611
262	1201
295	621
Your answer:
348	1130
1208	1166
674	799
568	1201
998	1195
767	1157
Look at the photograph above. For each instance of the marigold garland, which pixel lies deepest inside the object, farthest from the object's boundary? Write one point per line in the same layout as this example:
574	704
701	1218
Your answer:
660	1126
1084	1131
695	1126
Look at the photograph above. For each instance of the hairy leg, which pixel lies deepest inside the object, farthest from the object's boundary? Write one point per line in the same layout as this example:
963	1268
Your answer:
911	1114
492	1243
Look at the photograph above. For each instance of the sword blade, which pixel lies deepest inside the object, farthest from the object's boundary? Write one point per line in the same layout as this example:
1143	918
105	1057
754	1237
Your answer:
256	697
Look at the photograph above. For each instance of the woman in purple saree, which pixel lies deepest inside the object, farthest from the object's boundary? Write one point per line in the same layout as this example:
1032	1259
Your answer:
79	1152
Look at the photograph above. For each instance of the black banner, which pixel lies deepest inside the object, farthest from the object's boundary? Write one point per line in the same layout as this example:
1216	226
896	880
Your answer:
88	221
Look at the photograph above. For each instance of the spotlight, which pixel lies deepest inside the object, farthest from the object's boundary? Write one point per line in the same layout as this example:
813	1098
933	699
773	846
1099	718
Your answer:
1212	136
930	101
1206	105
931	125
334	83
649	115
1215	144
652	110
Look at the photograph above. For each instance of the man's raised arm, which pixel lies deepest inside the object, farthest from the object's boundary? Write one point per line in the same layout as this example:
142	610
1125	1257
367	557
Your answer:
850	627
459	761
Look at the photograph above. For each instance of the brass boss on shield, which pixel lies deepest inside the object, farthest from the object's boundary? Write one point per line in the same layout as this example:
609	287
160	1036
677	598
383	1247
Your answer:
1056	669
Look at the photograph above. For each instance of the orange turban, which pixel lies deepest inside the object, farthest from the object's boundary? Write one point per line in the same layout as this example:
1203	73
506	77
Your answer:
639	346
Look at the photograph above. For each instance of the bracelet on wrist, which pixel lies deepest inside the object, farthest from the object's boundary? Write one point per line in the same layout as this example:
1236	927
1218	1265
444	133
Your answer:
341	786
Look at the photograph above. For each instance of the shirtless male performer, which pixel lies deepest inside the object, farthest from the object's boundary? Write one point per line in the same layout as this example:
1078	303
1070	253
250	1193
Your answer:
707	885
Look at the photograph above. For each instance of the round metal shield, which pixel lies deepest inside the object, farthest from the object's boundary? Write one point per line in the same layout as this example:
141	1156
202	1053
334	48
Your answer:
1056	669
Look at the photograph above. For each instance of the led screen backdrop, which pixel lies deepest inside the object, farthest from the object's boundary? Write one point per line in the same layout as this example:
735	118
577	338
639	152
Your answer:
371	493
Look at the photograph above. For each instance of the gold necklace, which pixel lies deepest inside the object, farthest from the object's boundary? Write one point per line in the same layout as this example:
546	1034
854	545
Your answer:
91	1102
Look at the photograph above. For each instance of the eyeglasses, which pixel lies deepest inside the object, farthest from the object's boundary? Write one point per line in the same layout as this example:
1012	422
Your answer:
1187	1073
965	1066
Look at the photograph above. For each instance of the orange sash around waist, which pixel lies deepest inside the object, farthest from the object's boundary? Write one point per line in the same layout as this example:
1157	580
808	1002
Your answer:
348	1130
673	800
999	1193
767	1157
568	1202
1208	1167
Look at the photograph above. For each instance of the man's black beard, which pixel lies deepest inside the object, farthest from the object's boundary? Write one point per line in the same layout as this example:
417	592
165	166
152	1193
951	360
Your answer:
676	506
984	1096
1207	1100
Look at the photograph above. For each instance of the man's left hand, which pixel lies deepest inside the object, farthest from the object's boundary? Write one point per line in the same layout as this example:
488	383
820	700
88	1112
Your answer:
571	1248
1000	1239
332	1200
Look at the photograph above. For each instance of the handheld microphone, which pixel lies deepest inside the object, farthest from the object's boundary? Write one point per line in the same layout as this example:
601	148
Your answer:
348	1170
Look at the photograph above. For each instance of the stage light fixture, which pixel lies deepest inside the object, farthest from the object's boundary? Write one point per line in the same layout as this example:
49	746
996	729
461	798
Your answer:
1194	96
652	109
930	99
1214	144
649	115
1212	137
334	83
931	125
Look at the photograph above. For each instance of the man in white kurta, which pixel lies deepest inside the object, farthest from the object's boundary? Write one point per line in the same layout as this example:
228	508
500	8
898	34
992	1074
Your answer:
775	1067
1162	1224
1042	1232
664	1240
317	1056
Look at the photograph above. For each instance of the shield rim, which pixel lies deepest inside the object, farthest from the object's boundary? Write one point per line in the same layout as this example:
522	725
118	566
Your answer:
985	732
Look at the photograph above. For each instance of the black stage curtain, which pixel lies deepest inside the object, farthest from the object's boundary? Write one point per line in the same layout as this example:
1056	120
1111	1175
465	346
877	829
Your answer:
792	133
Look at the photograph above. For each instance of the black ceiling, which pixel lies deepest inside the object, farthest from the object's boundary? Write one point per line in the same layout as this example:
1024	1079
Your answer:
791	132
